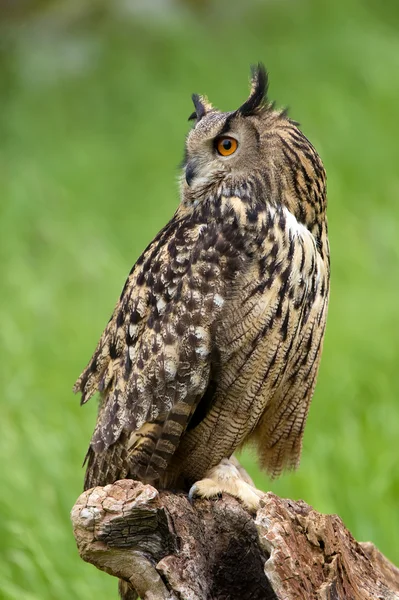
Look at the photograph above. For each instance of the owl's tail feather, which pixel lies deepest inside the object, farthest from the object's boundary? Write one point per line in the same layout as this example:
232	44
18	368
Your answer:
141	446
144	455
279	433
159	455
107	466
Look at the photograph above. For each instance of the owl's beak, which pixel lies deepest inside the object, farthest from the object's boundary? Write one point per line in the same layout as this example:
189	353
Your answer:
191	170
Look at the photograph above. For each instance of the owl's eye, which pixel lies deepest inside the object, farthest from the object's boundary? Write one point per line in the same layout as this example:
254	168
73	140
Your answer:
226	145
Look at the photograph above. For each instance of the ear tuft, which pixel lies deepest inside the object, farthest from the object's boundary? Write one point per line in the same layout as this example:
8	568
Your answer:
202	106
258	95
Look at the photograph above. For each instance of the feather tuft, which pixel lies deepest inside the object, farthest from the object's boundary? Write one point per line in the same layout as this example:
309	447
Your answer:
258	95
202	106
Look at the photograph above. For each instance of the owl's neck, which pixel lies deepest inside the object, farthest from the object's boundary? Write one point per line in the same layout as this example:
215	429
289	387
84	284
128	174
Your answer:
248	203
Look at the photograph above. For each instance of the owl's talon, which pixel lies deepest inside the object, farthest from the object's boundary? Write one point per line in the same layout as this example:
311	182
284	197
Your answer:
192	493
205	488
228	478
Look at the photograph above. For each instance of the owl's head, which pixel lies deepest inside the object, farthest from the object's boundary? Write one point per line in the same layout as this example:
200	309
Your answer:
254	152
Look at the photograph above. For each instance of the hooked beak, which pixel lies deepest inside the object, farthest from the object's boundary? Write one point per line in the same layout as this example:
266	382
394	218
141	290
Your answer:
191	170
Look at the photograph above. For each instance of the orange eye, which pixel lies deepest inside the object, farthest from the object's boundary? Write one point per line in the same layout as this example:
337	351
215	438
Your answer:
226	145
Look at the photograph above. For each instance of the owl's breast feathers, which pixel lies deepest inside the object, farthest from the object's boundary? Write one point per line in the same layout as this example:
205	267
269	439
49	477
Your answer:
215	340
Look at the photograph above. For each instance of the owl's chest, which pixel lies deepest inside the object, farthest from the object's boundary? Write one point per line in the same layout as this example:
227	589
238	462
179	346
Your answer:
281	281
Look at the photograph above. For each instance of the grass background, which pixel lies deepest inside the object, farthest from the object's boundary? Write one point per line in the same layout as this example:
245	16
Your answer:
94	103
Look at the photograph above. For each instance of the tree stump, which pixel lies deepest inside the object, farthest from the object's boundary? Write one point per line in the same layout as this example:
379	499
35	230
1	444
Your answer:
168	548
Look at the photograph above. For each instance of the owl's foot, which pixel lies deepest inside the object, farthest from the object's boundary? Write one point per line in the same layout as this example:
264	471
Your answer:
229	477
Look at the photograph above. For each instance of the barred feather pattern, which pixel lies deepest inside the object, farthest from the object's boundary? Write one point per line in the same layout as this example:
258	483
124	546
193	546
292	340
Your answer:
217	336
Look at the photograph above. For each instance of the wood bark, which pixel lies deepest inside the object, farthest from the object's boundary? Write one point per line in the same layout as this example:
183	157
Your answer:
170	549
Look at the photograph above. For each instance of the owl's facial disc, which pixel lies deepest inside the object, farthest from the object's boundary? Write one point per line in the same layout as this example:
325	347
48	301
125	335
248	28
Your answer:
221	147
205	156
225	145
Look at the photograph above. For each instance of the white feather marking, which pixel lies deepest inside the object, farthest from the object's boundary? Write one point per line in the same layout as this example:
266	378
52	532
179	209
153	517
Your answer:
140	385
201	228
196	296
170	369
294	224
202	351
141	306
218	300
132	330
161	305
200	333
195	380
181	258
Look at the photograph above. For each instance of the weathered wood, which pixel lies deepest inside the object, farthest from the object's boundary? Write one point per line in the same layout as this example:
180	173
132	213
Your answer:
169	549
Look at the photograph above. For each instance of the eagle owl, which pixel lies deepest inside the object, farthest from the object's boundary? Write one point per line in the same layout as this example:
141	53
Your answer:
216	339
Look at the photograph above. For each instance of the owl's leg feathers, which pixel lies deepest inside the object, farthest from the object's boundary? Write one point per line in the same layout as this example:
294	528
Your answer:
243	473
230	478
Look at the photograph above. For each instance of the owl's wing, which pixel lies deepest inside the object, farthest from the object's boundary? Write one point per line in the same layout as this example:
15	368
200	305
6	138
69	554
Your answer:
280	431
153	360
270	340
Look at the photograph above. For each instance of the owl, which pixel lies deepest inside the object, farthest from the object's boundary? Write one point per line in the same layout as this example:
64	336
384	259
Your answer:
216	339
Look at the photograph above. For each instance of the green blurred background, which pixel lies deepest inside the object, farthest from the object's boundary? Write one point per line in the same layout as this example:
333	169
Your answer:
94	100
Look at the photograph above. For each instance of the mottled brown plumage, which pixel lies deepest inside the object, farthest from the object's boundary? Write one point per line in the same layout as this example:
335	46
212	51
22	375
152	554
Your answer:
217	335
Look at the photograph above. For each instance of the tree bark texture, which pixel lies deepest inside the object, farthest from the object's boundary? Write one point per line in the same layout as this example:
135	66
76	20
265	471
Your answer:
168	548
